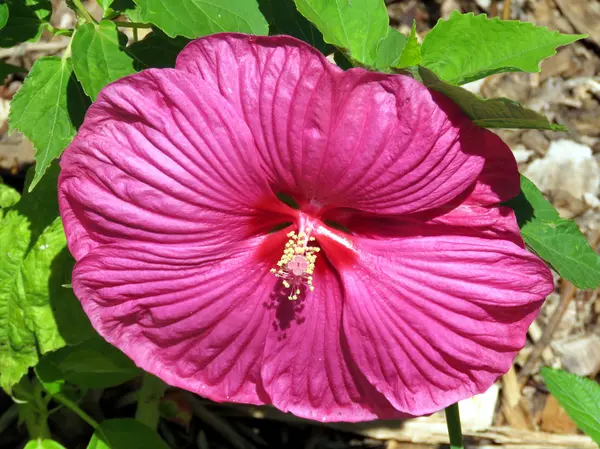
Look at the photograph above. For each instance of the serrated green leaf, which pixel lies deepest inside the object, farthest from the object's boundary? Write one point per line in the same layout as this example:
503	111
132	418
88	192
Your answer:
26	20
284	18
411	55
8	196
556	240
98	57
390	49
125	434
91	364
488	113
3	14
156	50
355	27
467	47
37	315
580	397
195	18
43	444
47	109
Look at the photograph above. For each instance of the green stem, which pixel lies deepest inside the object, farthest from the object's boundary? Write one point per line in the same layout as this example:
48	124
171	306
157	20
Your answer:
8	417
67	53
59	31
454	430
133	25
84	12
149	400
33	412
75	408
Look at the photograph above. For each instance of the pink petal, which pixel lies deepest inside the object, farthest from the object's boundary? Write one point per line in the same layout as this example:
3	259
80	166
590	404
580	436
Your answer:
166	160
307	369
198	323
432	319
474	211
370	141
499	180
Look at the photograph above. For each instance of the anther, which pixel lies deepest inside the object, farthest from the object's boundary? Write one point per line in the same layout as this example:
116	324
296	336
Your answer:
297	264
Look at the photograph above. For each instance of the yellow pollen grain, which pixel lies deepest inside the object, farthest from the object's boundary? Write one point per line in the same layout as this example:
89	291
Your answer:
297	245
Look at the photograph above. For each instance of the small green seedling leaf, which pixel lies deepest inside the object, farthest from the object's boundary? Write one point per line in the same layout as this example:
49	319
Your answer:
98	57
556	240
125	434
195	18
467	47
488	113
47	109
580	397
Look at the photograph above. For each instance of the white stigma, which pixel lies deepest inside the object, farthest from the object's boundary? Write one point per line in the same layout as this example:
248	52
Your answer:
297	264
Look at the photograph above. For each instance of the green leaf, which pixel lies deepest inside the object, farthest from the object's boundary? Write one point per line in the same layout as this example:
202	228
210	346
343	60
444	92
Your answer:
104	4
26	20
6	69
123	5
580	397
411	55
125	434
98	57
390	49
47	109
91	364
117	7
556	240
354	26
3	14
488	113
44	444
8	196
467	47
37	315
284	18
195	18
156	50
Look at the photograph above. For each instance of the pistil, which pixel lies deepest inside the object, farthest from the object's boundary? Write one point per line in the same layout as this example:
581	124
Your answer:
297	264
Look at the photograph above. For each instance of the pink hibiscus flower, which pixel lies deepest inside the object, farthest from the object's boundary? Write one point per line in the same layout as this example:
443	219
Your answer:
399	285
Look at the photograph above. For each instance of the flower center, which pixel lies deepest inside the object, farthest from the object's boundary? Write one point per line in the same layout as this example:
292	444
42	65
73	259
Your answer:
297	264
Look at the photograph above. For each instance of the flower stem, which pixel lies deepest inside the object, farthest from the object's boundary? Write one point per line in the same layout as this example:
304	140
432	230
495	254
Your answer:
84	12
454	430
149	399
75	408
133	25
